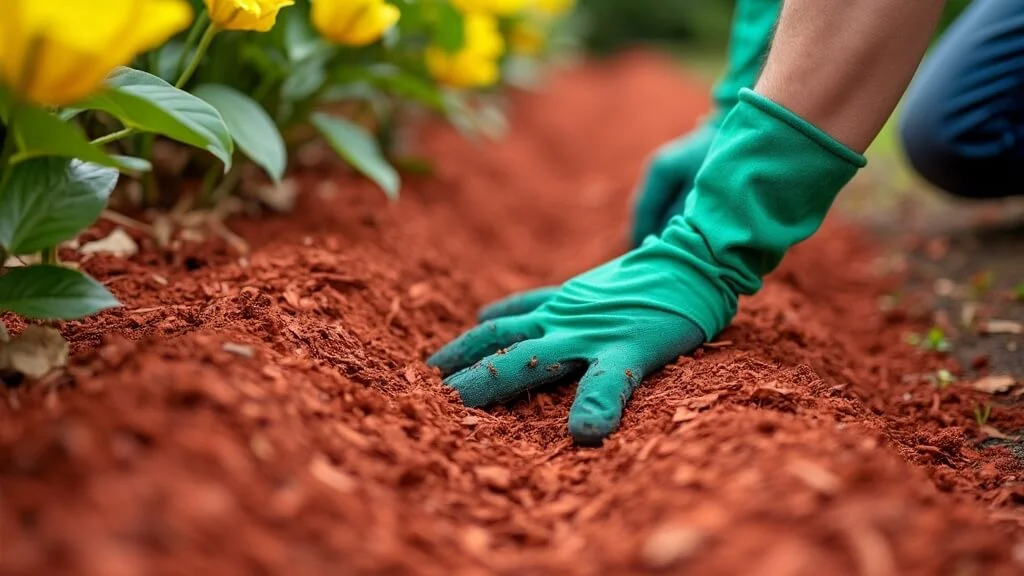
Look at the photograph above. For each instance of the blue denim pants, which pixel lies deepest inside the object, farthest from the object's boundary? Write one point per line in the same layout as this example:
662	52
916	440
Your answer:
962	124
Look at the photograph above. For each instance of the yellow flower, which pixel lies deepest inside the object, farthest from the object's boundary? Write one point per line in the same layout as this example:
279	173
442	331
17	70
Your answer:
553	7
354	22
526	38
476	63
54	53
497	7
258	15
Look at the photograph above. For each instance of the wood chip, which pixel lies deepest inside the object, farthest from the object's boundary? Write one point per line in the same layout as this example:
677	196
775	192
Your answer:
816	477
351	437
410	374
671	544
496	477
645	452
993	432
279	197
994	384
719	344
117	243
684	414
701	402
35	352
239	349
1002	327
685	475
324	471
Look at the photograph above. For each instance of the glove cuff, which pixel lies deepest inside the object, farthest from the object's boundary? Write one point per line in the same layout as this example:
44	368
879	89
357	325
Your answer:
812	132
768	182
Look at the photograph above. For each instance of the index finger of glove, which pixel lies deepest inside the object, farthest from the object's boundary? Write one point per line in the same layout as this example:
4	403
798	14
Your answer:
505	375
483	340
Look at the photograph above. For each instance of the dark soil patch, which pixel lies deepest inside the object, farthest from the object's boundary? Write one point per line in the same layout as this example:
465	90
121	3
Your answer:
273	415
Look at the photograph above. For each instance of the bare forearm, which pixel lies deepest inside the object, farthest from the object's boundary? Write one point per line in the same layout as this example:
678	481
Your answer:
844	64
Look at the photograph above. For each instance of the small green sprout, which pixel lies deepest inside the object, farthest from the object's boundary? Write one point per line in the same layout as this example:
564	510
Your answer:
982	414
942	379
1018	291
935	340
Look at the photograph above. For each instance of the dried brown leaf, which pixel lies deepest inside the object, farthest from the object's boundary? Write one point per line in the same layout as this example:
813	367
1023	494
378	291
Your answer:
994	384
117	243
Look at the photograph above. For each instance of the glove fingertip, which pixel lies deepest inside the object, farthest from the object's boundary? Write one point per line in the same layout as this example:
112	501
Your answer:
471	391
590	433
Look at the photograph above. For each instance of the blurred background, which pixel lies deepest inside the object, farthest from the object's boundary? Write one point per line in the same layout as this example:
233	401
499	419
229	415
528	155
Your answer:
696	34
683	26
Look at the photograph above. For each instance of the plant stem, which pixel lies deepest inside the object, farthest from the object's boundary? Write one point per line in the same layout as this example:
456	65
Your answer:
150	189
50	255
193	35
230	181
113	136
204	43
208	185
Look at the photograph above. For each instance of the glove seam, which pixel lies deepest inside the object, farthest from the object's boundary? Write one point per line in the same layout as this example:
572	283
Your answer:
815	134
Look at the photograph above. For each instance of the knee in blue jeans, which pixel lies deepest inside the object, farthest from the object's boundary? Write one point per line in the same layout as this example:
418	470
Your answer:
955	162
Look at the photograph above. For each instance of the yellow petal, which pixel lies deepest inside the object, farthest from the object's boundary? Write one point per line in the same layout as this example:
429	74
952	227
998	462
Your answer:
155	22
63	75
526	39
224	12
354	22
256	15
496	7
482	36
553	7
463	69
54	53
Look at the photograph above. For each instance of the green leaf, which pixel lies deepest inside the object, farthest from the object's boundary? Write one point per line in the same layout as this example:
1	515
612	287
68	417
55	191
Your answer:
49	200
450	33
165	61
393	80
252	128
69	114
147	103
359	149
132	164
40	133
300	40
52	293
306	78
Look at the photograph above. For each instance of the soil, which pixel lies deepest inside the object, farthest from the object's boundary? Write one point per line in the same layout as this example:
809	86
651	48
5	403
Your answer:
272	414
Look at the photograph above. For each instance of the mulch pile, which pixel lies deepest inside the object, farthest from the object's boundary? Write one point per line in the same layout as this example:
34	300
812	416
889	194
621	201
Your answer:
272	414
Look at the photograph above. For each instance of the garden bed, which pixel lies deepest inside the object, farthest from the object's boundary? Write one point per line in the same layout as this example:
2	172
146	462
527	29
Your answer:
272	414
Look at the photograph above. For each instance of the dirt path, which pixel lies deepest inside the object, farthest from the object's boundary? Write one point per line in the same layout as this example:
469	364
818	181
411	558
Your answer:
274	416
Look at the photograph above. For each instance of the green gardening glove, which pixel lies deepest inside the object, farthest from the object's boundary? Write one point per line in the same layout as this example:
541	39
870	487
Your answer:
768	182
672	169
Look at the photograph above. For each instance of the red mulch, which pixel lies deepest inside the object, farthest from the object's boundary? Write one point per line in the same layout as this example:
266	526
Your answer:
805	445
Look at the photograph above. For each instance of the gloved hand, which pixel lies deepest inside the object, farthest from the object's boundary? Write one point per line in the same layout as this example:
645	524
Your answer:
768	182
671	171
612	325
668	180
